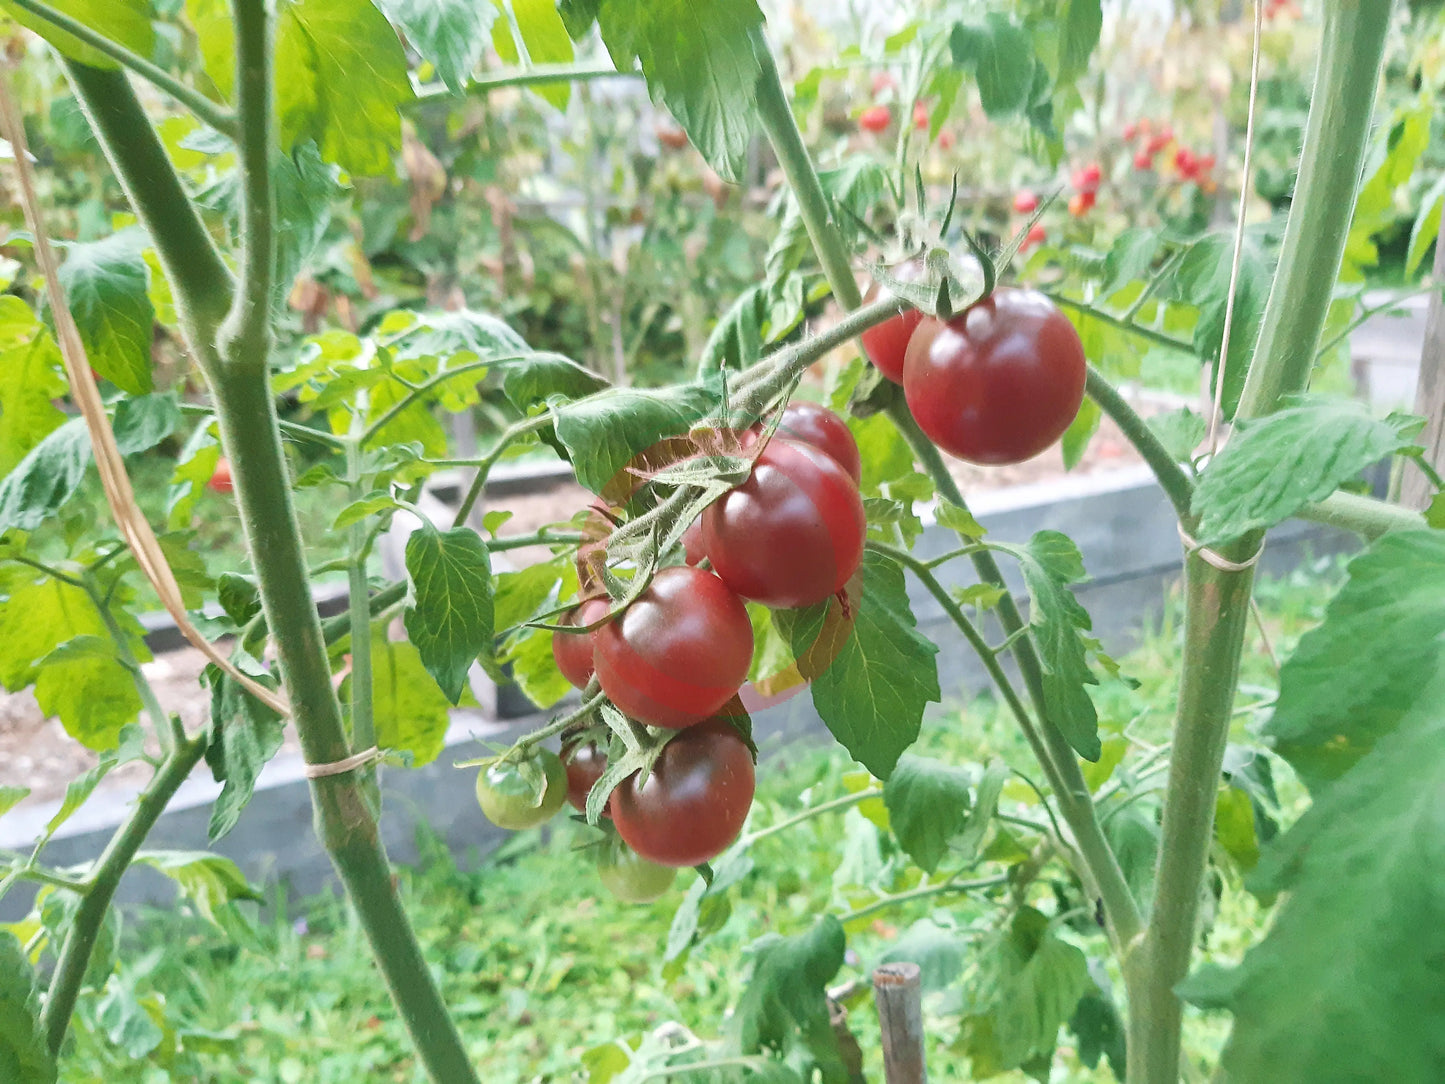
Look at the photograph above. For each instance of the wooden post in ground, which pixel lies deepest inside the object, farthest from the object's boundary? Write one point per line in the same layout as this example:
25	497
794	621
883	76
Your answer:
898	993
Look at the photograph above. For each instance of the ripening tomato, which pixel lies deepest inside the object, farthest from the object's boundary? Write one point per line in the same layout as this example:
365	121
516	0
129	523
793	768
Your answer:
876	118
882	81
693	802
792	534
220	479
573	650
885	343
629	876
693	551
1159	140
678	652
510	800
1203	165
999	382
1131	130
920	116
1037	235
945	140
809	423
1185	162
1081	203
1087	178
1143	160
585	765
1025	202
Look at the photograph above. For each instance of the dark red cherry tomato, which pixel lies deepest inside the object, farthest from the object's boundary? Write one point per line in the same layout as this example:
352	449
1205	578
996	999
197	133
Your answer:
585	765
695	800
677	653
999	382
886	343
1087	178
693	551
573	650
792	534
809	423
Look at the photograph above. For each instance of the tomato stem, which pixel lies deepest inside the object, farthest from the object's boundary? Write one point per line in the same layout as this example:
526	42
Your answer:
1177	485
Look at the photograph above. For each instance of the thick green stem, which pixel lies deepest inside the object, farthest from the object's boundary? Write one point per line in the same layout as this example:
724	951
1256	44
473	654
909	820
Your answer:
1217	613
776	115
216	116
1346	78
1366	516
1176	484
1076	803
198	277
1122	323
80	938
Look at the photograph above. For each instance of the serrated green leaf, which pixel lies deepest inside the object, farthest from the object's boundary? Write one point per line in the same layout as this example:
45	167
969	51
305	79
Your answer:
1351	679
25	1056
1080	22
1426	228
11	796
79	790
873	691
1099	1028
1001	55
699	62
238	596
340	76
30	378
409	711
1273	466
106	290
534	669
1435	513
938	951
216	36
194	467
1130	257
210	881
1360	873
1050	563
532	380
451	34
1202	280
786	997
126	1024
1180	431
450	619
245	735
928	803
364	508
1081	430
42	482
547	41
603	432
125	22
143	421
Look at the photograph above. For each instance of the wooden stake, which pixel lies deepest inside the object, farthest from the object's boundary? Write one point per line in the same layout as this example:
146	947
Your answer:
898	993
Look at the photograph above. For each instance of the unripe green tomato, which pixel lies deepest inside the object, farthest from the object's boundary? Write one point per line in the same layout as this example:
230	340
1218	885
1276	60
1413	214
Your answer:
510	800
629	876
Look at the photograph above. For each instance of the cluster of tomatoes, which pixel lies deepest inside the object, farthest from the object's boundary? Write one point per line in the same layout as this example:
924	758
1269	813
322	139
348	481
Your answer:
1151	142
877	118
996	384
676	656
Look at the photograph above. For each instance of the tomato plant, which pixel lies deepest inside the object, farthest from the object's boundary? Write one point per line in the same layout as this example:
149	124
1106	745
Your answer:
585	765
809	423
572	651
629	876
522	794
886	343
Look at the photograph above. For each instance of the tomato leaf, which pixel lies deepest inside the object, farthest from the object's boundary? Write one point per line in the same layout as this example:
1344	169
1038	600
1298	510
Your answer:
30	378
1080	23
699	62
209	881
25	1056
534	379
858	185
1001	55
450	619
1130	258
130	746
143	421
1050	563
245	735
544	34
125	22
1352	678
194	467
786	999
1081	430
409	711
928	803
1426	228
603	432
1099	1026
1272	466
1358	873
340	76
451	34
1025	985
1180	431
11	796
938	951
106	289
873	691
42	482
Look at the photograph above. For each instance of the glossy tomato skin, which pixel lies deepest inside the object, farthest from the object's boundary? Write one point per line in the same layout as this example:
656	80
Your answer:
999	382
886	343
693	551
792	534
678	652
220	479
809	423
629	876
695	800
573	650
509	802
585	765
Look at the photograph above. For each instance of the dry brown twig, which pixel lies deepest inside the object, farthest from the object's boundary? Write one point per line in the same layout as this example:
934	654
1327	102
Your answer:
134	527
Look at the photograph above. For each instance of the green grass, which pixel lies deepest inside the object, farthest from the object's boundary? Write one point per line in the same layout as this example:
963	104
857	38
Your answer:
540	965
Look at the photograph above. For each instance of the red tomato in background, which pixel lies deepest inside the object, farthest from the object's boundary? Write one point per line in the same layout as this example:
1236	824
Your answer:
1081	203
585	765
920	116
572	651
882	81
809	423
679	652
1143	160
885	343
1185	162
876	118
1087	178
1025	202
999	382
1037	235
220	479
792	534
695	800
1131	131
945	140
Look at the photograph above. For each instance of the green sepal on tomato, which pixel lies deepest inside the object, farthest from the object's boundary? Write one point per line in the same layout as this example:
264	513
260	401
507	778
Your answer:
518	794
